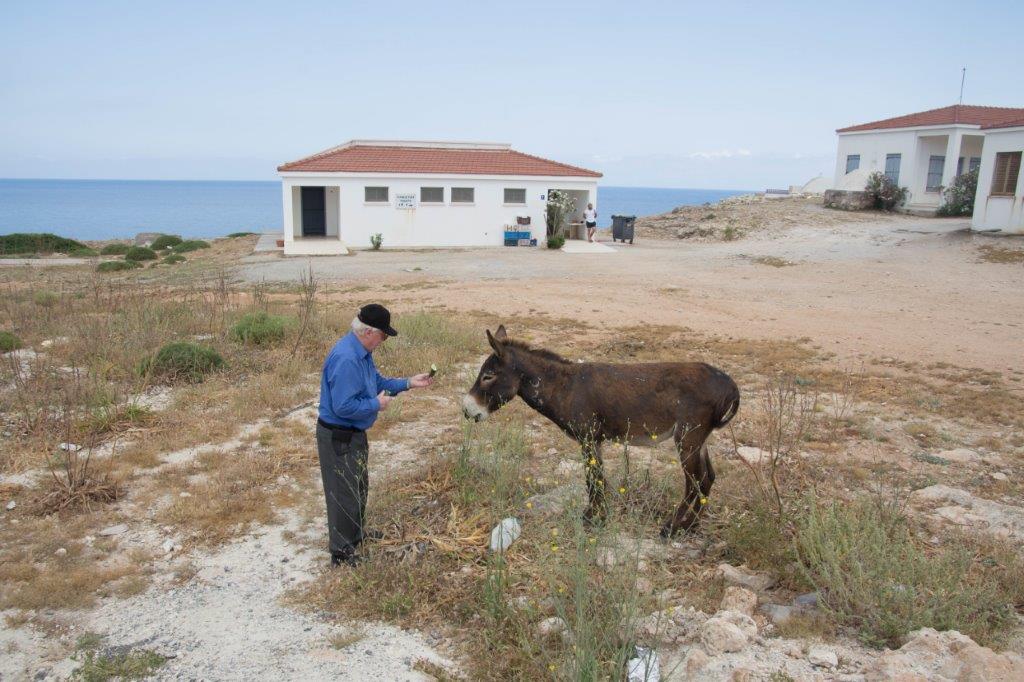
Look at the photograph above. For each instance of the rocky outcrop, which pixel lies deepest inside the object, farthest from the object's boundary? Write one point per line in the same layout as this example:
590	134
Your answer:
945	657
961	508
846	200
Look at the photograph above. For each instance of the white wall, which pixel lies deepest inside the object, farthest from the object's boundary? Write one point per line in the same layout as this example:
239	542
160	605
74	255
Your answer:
448	224
917	180
873	147
999	213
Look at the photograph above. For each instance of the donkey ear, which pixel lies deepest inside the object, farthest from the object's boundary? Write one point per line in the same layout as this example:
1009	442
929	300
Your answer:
501	335
496	344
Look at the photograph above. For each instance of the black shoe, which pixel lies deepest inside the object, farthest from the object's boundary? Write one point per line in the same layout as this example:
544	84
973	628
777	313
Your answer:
350	559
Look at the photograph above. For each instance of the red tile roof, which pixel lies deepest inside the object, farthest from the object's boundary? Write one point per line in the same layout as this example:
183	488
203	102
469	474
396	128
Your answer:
1012	123
374	158
958	113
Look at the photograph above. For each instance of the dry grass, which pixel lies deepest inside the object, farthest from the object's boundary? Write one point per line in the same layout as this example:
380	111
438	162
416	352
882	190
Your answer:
988	253
772	261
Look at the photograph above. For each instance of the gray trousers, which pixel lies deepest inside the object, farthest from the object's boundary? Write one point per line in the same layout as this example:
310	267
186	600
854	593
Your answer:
346	483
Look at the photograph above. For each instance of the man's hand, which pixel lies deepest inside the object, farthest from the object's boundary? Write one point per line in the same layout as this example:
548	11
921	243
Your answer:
420	381
385	400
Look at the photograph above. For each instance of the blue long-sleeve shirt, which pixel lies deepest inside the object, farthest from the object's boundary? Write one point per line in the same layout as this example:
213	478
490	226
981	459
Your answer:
350	384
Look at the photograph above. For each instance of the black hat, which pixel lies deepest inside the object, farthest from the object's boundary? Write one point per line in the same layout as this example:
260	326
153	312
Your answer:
378	317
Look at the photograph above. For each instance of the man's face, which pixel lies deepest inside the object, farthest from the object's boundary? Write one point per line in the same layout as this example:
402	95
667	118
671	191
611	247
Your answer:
374	338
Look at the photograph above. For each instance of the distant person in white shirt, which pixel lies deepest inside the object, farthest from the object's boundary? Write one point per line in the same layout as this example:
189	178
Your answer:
590	218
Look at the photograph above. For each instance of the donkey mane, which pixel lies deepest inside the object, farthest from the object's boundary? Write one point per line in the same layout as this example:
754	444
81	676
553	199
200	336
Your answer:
541	352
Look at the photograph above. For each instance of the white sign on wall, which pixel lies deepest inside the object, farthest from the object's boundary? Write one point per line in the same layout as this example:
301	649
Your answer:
405	201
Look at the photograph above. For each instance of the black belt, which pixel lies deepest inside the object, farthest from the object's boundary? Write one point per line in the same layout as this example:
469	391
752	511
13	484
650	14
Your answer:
338	427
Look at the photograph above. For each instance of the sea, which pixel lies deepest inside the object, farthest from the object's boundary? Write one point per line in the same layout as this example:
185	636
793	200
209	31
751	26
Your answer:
112	209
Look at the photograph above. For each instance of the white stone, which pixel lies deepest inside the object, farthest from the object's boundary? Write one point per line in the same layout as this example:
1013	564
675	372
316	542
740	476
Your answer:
552	626
114	530
504	534
752	455
739	599
999	476
823	657
61	552
719	636
184	493
70	447
643	667
169	546
758	582
11	505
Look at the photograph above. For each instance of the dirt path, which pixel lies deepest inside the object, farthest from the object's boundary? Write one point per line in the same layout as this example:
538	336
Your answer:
911	289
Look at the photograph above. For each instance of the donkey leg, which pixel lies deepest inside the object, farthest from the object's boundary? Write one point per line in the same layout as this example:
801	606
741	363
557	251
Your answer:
594	467
696	475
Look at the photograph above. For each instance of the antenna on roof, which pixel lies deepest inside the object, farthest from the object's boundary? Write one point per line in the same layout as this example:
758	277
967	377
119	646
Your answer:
963	77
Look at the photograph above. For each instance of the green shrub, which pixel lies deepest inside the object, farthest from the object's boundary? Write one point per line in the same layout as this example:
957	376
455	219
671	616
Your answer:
45	299
958	199
115	249
9	342
26	243
556	241
873	575
885	194
239	234
173	258
259	328
376	240
83	252
140	253
190	245
117	266
165	241
182	360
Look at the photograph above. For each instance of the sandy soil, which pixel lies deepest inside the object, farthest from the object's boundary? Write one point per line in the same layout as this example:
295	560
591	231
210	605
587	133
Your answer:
912	289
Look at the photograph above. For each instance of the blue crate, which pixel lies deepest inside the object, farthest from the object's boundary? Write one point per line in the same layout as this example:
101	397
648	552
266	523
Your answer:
516	234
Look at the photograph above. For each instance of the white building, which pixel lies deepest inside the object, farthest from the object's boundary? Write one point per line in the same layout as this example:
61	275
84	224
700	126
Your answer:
421	194
999	203
922	152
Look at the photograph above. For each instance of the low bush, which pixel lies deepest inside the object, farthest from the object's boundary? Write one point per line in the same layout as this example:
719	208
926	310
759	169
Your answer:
958	199
21	243
140	253
45	299
182	360
115	249
885	194
873	574
239	234
190	245
556	241
117	266
259	328
173	258
9	342
376	240
83	252
165	241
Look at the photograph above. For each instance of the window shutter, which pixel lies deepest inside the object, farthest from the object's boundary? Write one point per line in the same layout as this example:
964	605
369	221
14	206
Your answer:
1007	170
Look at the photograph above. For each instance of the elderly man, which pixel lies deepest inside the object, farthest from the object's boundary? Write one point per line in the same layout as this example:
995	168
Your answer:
352	393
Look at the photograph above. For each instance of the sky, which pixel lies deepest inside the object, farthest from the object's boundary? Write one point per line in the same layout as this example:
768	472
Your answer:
660	94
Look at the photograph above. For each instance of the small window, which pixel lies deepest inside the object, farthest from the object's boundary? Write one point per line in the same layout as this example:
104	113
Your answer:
852	162
462	195
1004	177
935	164
974	164
892	167
431	195
376	195
515	196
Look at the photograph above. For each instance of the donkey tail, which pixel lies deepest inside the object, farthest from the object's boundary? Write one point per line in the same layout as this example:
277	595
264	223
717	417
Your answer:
728	405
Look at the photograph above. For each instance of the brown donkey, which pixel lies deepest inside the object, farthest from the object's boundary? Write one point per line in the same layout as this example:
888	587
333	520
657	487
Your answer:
640	404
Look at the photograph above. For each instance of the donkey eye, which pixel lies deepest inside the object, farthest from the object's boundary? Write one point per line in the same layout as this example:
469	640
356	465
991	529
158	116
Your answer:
487	378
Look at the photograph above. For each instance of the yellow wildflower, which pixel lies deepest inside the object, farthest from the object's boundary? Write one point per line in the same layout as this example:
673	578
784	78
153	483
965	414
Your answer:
554	532
554	547
622	491
529	505
592	540
551	667
703	500
592	462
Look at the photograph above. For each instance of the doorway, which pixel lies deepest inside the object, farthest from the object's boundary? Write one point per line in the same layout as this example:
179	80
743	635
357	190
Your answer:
314	212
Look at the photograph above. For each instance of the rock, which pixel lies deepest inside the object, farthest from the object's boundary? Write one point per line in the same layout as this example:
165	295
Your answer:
520	603
568	467
959	455
169	547
745	675
967	510
11	505
808	600
778	613
552	451
552	626
184	493
741	620
999	476
931	655
695	661
504	534
114	530
823	657
738	599
752	455
719	636
643	667
643	586
554	501
61	551
758	582
70	447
